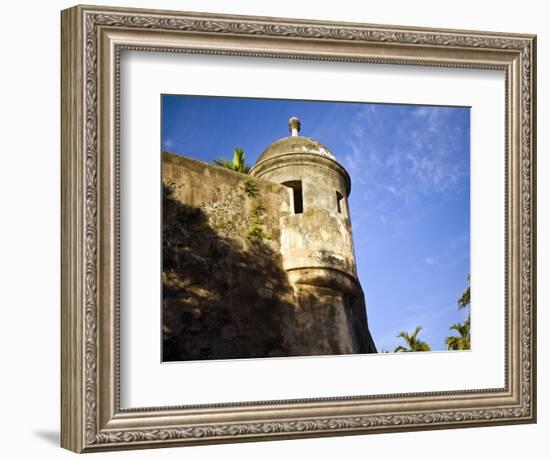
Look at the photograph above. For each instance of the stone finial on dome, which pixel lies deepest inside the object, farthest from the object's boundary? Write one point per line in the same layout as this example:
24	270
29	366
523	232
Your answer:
294	125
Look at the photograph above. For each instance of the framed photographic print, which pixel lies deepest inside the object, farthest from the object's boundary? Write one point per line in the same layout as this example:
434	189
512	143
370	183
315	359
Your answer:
278	228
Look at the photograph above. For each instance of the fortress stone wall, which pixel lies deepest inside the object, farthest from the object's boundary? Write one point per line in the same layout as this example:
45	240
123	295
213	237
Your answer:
246	273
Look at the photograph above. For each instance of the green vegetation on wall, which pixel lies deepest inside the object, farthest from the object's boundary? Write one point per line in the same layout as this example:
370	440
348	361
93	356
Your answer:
256	229
251	189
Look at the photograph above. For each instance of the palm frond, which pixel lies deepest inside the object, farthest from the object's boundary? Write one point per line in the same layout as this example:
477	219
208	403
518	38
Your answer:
464	300
238	164
416	331
404	335
462	341
222	162
413	342
422	346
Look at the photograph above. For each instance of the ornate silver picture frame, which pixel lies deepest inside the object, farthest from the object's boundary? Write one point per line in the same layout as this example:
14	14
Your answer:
93	39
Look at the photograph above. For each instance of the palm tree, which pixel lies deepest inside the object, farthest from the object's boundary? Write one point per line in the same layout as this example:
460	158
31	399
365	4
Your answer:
464	300
413	342
238	164
462	341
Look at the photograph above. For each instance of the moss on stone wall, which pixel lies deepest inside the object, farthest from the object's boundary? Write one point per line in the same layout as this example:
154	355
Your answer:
257	229
251	188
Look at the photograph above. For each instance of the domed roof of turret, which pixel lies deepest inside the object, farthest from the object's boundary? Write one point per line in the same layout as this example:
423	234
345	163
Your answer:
295	144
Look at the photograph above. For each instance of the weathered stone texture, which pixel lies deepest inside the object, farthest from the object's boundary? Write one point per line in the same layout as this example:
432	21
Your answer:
225	293
236	282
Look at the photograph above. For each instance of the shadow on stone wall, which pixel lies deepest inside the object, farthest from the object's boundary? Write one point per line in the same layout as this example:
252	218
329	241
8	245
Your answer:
357	310
220	300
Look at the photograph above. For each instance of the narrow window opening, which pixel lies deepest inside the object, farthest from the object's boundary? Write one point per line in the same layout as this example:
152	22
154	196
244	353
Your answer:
339	201
296	187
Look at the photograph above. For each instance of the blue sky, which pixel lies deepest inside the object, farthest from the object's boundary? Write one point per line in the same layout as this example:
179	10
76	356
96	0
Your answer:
410	194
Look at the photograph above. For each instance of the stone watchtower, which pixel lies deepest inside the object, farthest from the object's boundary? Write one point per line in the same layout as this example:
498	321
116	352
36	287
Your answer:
317	244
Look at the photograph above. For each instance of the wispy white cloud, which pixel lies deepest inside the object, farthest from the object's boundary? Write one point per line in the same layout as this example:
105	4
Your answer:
422	157
431	260
405	163
452	254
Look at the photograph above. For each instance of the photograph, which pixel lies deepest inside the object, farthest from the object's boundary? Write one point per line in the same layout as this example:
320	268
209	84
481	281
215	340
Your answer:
313	228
